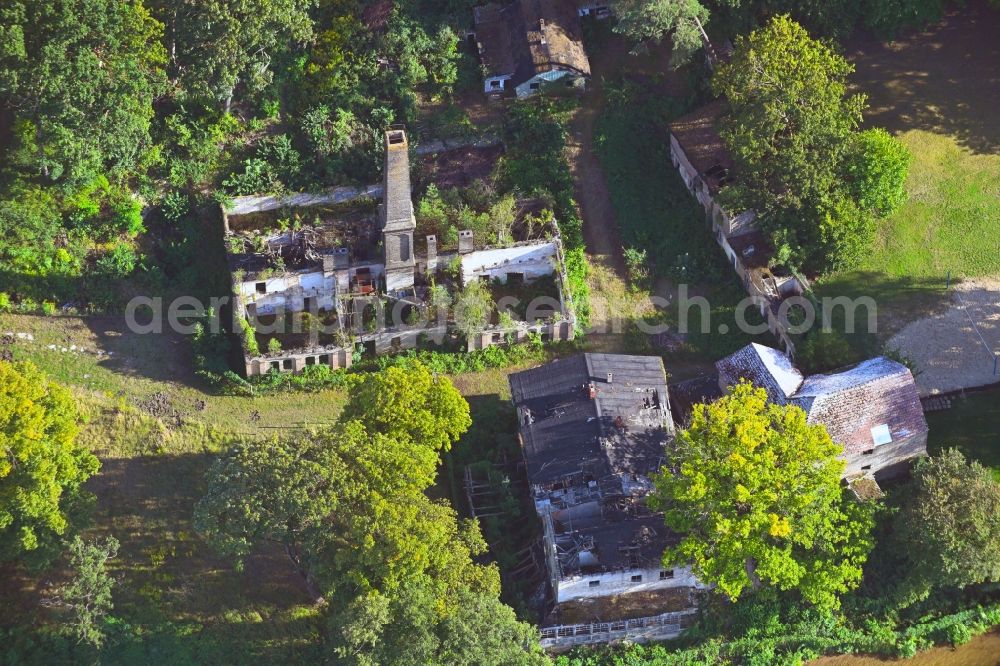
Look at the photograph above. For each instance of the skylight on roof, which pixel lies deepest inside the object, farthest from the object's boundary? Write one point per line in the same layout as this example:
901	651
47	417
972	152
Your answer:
881	434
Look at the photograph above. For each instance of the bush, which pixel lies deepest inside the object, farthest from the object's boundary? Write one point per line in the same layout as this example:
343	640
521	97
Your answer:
822	351
119	262
175	206
958	634
877	166
250	345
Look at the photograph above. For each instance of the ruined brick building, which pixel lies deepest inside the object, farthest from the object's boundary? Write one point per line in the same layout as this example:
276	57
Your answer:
593	429
340	273
702	159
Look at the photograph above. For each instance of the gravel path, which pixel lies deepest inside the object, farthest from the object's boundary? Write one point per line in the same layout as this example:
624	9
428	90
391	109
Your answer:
950	352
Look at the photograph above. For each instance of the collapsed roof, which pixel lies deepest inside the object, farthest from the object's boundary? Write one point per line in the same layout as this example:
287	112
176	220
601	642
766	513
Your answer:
706	151
593	414
529	37
608	542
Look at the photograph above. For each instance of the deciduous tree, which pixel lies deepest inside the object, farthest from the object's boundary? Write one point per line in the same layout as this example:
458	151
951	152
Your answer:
411	628
413	403
88	595
474	308
81	77
649	21
790	127
217	44
949	524
41	466
876	166
348	505
754	491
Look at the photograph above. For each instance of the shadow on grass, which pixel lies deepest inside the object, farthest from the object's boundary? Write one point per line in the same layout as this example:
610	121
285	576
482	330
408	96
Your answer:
147	503
165	356
176	600
898	301
945	79
971	425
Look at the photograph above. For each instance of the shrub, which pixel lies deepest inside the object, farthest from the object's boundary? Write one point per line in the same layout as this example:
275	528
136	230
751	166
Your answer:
175	205
877	166
250	345
822	351
635	262
119	262
958	634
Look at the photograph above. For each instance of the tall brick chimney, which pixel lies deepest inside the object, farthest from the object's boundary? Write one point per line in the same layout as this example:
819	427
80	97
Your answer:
397	220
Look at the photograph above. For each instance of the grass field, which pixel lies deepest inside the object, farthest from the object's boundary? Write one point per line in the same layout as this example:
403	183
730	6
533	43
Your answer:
156	432
972	425
951	222
937	90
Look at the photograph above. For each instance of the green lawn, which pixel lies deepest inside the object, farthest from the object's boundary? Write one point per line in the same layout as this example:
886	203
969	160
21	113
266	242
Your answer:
930	89
951	222
972	425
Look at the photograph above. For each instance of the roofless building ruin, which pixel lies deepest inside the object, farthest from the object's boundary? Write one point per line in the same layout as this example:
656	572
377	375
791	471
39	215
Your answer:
335	275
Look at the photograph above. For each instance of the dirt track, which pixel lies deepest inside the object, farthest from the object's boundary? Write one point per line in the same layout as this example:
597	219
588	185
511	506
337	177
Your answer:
955	349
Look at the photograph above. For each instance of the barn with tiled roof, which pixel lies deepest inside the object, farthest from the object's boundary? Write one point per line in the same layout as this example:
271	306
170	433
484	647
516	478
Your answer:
872	409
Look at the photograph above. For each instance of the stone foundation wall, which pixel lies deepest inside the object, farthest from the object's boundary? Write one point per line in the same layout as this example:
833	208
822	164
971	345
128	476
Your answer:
334	357
560	330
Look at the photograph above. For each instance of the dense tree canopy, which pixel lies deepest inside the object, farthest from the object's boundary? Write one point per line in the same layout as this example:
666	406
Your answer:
107	106
41	467
81	77
789	131
406	629
414	403
949	524
645	21
347	503
754	491
816	181
217	44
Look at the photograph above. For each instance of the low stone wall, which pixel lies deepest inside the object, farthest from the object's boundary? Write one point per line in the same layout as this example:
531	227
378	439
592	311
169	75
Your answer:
638	630
334	357
261	203
549	332
385	341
